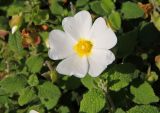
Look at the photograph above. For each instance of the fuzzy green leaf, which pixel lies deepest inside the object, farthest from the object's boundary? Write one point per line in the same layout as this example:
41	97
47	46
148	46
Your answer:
15	42
80	3
56	8
33	80
131	10
97	8
114	20
144	109
144	94
121	76
34	63
49	94
119	110
89	82
108	6
63	109
26	96
13	84
92	102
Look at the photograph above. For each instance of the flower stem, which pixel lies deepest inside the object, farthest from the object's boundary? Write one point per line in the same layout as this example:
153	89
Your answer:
111	105
110	101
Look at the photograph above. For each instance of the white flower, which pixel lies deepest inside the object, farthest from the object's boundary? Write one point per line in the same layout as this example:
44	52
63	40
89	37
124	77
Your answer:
82	46
33	111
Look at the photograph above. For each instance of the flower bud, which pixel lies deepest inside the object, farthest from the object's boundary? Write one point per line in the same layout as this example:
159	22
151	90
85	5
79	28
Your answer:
44	27
53	76
37	40
15	22
152	77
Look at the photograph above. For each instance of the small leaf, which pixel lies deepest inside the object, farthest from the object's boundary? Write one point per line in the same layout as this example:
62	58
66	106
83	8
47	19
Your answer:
15	8
108	6
13	84
49	94
155	18
114	20
143	94
92	102
97	8
56	8
26	96
33	80
88	82
63	109
131	10
38	108
80	3
41	17
144	109
121	76
34	63
119	110
15	42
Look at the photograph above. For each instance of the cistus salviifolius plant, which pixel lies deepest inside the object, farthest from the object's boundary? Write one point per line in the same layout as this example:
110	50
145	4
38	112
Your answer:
79	56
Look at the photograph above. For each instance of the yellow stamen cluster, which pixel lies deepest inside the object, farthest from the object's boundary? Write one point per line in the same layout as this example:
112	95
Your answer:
83	47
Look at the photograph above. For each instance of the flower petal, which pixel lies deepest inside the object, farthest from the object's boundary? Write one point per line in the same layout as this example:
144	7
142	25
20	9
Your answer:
102	36
99	60
79	25
61	46
73	65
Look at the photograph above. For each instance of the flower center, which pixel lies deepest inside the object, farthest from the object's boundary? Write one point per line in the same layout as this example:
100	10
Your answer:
83	47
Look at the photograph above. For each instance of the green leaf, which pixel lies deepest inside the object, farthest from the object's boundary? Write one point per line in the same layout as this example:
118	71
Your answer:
13	84
143	94
4	100
88	82
131	10
108	6
92	102
33	80
144	109
63	109
127	43
15	8
120	76
15	42
34	63
114	20
38	108
49	94
80	3
155	18
97	8
26	95
41	17
56	8
119	110
44	36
